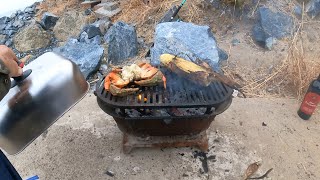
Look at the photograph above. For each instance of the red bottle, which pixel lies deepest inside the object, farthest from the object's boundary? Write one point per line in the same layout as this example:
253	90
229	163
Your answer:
311	100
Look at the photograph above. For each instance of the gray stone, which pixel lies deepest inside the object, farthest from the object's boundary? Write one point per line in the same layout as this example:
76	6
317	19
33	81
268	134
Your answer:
9	42
13	16
30	9
271	26
48	20
84	38
102	12
313	8
235	42
103	68
88	12
186	40
278	25
103	25
18	24
2	26
92	31
258	35
4	20
222	55
87	56
122	42
3	39
298	11
9	32
9	26
270	42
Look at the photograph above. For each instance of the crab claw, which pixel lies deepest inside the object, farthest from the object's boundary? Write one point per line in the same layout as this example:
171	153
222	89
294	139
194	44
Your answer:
156	79
164	79
147	71
114	90
115	79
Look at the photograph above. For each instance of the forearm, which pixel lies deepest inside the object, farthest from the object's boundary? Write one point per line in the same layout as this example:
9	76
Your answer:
5	82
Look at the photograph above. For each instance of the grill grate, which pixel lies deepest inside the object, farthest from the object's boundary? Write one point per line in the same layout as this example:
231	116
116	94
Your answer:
179	93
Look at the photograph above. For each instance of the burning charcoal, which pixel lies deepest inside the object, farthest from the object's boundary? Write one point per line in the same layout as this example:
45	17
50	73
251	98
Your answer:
133	113
160	112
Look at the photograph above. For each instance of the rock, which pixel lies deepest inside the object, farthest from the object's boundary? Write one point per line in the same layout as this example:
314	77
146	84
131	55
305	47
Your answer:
122	41
136	170
271	26
69	25
110	173
103	25
235	42
4	20
49	20
3	39
2	26
31	37
88	11
107	11
94	40
103	68
9	26
270	42
178	38
222	55
92	31
278	25
30	10
9	32
18	24
298	11
117	158
9	42
313	8
258	35
87	56
13	16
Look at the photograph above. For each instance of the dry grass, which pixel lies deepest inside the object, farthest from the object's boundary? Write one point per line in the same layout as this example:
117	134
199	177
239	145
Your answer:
57	7
289	79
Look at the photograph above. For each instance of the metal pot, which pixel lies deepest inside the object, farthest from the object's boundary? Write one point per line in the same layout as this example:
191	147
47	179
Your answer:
35	103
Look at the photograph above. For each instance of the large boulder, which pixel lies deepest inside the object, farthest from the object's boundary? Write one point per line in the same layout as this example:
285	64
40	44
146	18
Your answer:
276	25
122	42
313	8
69	25
186	40
31	37
87	56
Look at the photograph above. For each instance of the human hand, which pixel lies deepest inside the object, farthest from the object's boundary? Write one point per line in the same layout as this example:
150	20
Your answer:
10	61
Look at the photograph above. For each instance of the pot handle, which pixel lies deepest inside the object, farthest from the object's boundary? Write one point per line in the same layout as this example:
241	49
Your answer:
24	75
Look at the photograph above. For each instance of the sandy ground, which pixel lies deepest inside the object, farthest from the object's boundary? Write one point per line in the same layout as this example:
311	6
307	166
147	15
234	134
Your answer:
86	142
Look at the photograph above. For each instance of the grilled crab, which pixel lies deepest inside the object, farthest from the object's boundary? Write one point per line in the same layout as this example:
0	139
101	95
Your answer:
143	75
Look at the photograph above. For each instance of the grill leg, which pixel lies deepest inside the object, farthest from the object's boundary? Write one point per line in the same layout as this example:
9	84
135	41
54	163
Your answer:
126	146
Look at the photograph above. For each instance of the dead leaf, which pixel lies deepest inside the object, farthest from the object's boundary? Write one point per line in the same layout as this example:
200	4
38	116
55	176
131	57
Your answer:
252	168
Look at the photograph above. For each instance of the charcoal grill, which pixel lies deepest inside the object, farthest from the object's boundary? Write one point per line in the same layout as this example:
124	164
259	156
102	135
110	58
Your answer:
158	109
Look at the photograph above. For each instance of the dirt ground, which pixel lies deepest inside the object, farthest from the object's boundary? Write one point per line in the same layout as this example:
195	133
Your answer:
86	142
